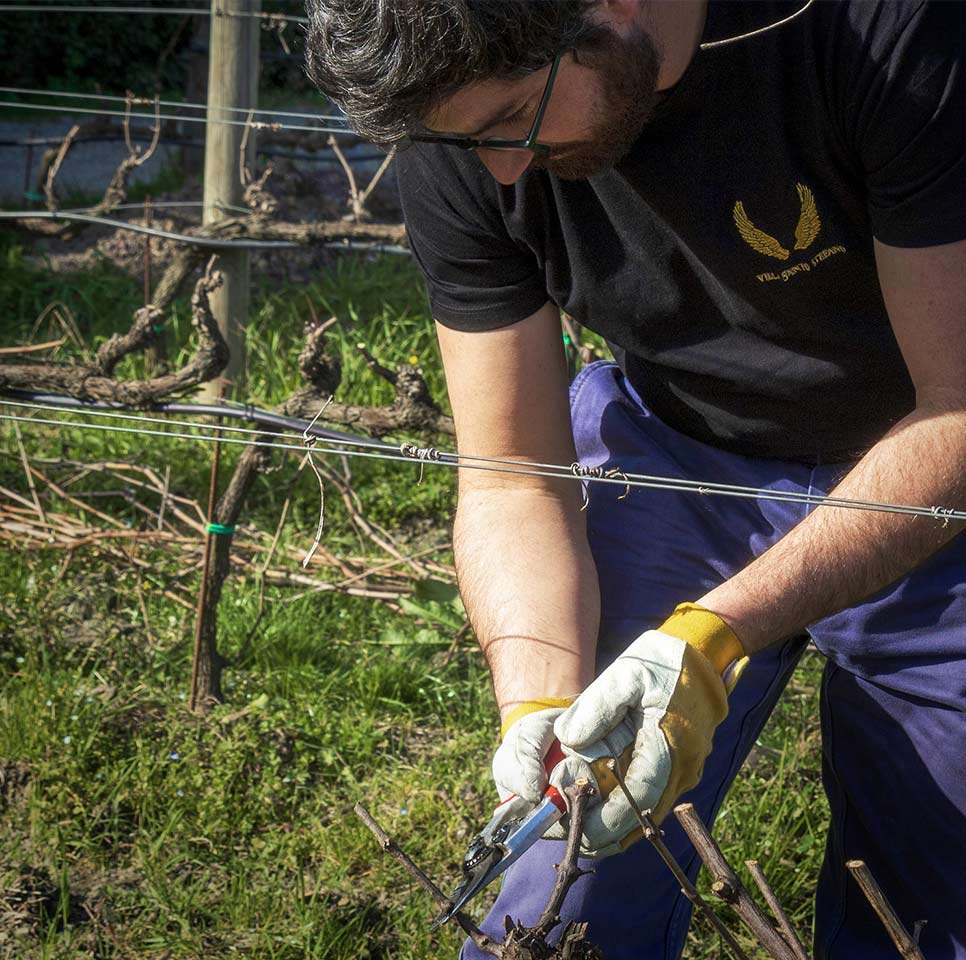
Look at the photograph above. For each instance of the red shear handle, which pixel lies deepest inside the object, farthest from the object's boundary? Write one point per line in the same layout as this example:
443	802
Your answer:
554	755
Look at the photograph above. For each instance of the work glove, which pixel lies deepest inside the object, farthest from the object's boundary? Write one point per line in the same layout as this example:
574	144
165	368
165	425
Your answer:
671	686
519	768
527	735
518	764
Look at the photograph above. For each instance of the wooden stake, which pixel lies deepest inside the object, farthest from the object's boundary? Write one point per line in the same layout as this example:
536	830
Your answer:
206	668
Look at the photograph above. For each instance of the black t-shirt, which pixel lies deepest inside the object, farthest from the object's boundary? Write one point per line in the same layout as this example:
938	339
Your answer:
729	256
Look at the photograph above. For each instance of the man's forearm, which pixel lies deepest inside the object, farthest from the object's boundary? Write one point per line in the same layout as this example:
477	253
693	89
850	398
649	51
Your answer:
837	557
530	588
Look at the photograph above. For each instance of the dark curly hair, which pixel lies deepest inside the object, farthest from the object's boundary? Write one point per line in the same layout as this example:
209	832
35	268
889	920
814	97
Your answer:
389	63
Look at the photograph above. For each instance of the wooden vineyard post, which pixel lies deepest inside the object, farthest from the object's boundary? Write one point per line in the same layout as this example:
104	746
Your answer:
232	92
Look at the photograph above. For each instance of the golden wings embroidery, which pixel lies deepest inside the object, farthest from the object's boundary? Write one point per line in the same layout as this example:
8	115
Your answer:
806	231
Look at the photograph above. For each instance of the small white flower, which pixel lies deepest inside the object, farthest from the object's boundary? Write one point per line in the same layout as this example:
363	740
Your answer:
19	659
182	696
66	739
50	703
174	755
180	793
73	716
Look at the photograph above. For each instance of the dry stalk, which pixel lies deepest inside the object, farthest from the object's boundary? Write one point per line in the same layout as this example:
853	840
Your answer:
183	529
521	942
568	873
727	887
33	348
905	944
357	199
28	472
56	165
116	192
652	834
390	846
758	875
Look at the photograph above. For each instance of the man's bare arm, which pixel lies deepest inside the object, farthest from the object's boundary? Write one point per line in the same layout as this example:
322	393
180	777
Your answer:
525	570
837	557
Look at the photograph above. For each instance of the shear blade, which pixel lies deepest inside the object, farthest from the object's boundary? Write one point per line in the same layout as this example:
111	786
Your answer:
471	884
512	840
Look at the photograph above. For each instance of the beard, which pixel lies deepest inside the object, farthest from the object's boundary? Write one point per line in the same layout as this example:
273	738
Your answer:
628	68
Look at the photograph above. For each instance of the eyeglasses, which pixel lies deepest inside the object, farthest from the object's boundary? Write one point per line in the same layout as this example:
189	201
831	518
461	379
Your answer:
530	143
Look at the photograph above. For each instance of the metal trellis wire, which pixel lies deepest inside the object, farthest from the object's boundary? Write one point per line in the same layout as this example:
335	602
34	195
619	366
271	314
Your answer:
407	453
255	124
187	104
172	11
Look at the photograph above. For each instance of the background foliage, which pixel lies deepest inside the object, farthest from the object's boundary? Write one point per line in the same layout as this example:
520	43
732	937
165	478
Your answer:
114	53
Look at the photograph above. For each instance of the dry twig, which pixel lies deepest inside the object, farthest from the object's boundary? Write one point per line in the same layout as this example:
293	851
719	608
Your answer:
652	834
726	885
33	348
905	944
357	198
390	846
522	942
56	165
758	875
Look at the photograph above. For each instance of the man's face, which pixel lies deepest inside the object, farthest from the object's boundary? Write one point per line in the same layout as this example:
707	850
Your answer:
599	105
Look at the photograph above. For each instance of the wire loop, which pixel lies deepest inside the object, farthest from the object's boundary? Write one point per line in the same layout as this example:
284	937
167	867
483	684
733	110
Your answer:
422	454
585	472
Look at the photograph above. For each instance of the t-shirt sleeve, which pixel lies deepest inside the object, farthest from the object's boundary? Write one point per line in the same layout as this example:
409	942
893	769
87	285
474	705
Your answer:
909	116
478	277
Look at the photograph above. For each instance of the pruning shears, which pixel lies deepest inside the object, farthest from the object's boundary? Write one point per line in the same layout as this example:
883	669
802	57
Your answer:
504	840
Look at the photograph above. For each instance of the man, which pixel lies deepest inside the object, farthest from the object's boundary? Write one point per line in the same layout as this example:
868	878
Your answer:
762	206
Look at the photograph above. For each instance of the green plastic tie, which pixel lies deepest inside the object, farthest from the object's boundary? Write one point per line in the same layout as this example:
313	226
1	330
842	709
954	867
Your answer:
567	341
219	528
158	328
30	195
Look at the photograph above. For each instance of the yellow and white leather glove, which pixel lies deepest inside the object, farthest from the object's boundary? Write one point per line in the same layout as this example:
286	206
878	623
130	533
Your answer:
671	687
518	764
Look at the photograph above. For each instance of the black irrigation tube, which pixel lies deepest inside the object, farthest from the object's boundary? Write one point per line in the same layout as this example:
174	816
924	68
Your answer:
247	412
206	243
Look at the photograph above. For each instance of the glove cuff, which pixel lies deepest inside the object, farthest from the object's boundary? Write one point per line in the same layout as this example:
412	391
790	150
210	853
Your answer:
532	706
705	631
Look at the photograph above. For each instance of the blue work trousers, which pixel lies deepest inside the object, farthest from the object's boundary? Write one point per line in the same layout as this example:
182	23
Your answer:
893	698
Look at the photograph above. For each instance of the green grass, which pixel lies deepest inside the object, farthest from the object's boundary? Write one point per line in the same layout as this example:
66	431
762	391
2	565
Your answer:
131	828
